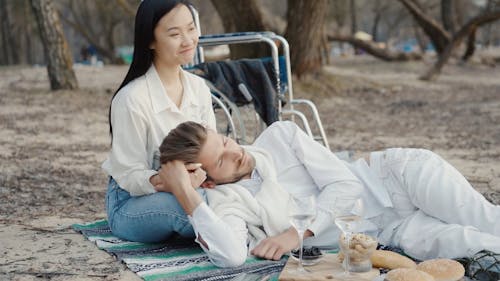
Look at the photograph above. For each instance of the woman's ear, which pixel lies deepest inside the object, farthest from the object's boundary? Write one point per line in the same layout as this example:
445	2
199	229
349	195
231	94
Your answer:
208	184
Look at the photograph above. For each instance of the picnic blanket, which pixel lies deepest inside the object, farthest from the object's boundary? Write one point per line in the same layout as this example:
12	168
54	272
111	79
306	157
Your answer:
182	259
178	259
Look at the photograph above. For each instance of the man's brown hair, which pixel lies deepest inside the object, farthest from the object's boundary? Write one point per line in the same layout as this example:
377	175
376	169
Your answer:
183	143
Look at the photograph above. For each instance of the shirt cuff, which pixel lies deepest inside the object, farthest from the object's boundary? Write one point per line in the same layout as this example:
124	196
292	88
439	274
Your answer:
147	187
321	223
202	216
202	219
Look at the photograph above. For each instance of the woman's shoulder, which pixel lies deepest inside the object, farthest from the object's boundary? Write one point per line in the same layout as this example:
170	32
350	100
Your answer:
134	90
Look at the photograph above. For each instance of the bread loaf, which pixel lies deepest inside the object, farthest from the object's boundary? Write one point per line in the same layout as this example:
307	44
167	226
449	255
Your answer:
391	260
407	274
443	269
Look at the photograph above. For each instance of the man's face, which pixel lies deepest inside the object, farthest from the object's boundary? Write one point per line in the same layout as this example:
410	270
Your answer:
224	160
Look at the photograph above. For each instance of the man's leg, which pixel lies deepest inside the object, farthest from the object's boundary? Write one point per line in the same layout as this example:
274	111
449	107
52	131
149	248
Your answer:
441	191
424	237
148	218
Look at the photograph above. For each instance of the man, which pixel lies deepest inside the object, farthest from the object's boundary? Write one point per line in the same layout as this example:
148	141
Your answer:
414	199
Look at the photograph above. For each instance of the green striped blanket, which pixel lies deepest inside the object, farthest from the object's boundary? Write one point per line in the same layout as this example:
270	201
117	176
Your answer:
178	259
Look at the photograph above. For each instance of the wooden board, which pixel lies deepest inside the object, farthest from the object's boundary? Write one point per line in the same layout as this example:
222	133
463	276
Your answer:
326	269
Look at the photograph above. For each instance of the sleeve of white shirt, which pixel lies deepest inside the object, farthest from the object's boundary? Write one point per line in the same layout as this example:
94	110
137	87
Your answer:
128	151
329	173
226	237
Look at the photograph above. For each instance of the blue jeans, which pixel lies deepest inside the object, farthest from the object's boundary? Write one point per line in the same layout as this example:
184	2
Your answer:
148	218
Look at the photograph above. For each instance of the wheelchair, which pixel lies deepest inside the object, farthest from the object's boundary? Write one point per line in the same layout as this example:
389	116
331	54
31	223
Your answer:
236	116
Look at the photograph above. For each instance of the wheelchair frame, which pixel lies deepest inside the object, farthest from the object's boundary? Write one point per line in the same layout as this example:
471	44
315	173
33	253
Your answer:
285	93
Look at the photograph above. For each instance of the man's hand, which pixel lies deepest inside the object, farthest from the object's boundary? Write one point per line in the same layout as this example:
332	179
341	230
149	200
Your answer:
196	174
155	180
176	179
273	248
172	175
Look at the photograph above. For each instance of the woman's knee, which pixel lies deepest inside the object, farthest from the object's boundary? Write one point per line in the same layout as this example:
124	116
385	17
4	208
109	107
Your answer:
151	218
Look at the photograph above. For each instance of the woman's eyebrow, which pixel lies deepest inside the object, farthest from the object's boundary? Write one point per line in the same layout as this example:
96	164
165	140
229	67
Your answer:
177	27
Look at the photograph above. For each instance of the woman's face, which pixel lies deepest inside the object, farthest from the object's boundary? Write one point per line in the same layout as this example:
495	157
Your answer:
175	37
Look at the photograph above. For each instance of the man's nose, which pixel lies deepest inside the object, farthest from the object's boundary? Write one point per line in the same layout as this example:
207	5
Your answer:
234	153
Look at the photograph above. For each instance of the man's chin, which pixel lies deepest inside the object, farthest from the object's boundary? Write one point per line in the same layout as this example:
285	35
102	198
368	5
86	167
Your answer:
236	178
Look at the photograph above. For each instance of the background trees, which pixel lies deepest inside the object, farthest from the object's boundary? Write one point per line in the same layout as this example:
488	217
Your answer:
59	61
391	30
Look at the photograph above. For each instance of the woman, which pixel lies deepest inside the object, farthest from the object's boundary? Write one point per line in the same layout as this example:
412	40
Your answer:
155	96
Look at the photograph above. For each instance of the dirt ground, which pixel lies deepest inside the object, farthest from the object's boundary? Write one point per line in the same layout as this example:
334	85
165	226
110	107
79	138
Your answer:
53	143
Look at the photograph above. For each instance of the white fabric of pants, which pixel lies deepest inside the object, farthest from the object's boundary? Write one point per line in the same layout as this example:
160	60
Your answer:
439	213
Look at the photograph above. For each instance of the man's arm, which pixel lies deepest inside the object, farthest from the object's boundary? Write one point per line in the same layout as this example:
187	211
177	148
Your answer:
273	248
330	175
224	240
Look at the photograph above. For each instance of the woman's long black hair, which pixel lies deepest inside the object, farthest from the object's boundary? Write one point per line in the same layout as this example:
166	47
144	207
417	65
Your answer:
146	19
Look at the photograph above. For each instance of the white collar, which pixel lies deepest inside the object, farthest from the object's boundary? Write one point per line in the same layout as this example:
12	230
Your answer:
158	94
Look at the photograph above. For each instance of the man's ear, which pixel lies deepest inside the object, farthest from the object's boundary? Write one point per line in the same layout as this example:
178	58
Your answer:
208	184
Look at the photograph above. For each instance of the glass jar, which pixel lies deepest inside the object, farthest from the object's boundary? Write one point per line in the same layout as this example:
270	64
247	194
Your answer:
358	247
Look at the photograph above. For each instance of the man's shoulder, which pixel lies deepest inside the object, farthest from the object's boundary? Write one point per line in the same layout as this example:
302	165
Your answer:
279	128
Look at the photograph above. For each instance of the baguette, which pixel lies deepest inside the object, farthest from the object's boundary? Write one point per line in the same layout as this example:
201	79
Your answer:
391	260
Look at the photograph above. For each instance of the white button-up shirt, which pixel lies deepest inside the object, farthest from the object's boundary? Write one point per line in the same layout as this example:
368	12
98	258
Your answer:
142	114
303	166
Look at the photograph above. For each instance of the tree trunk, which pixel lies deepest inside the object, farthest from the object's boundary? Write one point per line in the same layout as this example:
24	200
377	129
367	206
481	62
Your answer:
10	51
28	34
376	20
457	39
371	48
57	53
487	32
306	35
448	15
352	6
354	22
439	37
422	43
241	16
471	45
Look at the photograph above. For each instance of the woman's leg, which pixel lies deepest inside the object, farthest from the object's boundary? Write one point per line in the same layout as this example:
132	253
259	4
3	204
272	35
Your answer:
149	218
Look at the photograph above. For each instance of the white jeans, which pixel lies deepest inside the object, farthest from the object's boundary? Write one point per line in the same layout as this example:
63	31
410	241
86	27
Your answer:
438	213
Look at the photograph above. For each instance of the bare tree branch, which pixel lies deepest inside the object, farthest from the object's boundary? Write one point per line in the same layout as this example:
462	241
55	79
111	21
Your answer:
437	34
125	5
472	24
371	48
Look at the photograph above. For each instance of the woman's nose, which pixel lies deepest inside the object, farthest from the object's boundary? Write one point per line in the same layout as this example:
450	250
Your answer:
187	40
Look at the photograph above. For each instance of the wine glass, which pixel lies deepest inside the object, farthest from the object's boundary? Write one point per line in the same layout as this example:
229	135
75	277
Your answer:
301	211
347	212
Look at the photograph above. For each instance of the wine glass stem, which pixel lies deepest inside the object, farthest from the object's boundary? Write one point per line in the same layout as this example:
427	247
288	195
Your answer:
301	240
